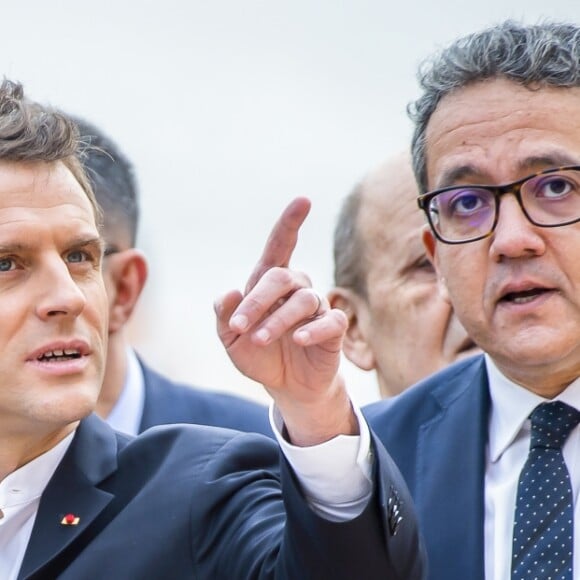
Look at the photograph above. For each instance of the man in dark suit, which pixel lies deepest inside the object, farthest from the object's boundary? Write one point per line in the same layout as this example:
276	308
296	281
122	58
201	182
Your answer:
497	157
81	501
490	446
134	397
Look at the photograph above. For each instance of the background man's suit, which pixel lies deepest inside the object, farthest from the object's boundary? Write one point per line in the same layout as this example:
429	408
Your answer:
194	502
168	402
437	434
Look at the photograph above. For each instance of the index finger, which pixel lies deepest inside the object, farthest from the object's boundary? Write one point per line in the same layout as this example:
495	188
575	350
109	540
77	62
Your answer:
282	240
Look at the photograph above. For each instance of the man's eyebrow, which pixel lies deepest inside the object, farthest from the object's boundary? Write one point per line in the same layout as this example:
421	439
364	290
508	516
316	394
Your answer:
558	159
88	241
12	248
79	242
94	242
531	164
454	174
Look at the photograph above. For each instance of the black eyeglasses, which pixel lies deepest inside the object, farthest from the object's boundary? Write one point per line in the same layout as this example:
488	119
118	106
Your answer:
465	213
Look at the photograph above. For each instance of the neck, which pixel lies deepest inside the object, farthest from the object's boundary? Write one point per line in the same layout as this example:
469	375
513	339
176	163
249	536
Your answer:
544	382
18	449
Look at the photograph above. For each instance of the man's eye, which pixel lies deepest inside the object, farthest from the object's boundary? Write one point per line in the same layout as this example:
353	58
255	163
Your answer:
425	264
556	188
78	256
466	203
6	264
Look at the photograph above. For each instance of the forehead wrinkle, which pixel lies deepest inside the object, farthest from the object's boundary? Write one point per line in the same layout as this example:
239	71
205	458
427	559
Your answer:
500	109
78	241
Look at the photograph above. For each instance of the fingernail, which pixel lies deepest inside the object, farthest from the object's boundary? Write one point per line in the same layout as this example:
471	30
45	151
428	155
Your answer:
239	321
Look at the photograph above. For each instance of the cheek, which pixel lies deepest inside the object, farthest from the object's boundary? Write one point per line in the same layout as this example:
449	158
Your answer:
467	291
385	307
16	312
435	313
421	303
110	288
462	276
97	307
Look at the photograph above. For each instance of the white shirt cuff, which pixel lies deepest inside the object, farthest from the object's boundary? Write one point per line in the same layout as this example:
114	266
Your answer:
336	476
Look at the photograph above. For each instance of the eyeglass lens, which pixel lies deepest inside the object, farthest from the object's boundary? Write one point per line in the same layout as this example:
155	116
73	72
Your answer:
464	213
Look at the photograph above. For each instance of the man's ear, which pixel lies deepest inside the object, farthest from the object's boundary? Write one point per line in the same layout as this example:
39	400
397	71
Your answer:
127	273
430	243
355	346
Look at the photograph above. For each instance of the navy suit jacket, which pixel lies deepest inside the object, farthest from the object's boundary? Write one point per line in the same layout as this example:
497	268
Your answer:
437	433
167	402
189	501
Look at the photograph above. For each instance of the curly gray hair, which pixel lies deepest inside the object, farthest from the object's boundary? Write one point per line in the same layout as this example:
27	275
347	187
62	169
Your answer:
535	55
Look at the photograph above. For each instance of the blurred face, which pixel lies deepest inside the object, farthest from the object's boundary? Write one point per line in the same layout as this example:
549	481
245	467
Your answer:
52	299
411	330
117	244
518	291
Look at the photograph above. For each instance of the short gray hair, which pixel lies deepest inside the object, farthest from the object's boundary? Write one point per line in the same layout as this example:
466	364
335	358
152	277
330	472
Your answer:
536	55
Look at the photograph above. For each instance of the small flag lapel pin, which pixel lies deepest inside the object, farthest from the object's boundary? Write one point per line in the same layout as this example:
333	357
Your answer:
70	520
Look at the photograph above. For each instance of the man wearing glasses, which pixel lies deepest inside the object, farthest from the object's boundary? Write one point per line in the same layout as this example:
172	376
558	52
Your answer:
490	447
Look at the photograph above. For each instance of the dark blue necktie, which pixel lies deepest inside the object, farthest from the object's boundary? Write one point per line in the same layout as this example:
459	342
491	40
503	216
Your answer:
544	517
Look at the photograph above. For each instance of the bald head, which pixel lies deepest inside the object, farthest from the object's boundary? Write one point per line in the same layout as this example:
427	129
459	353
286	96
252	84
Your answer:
399	325
386	196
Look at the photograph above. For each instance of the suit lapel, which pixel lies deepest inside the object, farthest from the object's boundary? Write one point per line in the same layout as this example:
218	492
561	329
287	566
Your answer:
450	479
72	490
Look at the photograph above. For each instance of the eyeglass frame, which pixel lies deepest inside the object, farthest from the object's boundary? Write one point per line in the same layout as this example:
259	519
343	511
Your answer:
514	187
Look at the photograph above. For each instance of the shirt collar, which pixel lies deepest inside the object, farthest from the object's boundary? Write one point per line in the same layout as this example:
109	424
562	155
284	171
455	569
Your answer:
512	404
28	482
127	413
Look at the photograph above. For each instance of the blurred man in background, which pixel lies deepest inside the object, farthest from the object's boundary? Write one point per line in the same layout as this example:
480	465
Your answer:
135	397
399	325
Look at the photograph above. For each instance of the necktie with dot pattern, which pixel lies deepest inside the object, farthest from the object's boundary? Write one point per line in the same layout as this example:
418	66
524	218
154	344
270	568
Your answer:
544	517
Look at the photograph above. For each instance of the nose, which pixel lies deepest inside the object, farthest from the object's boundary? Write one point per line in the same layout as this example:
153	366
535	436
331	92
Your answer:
59	293
514	235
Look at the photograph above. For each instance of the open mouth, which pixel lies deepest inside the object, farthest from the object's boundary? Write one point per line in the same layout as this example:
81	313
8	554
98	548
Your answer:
524	296
59	355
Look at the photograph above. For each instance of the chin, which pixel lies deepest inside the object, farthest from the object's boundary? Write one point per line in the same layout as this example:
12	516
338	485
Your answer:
541	355
70	407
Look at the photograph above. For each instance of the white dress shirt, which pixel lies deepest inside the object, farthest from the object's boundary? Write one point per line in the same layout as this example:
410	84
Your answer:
19	499
127	413
335	476
509	443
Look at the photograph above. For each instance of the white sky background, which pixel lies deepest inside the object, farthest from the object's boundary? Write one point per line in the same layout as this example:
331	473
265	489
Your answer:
228	110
